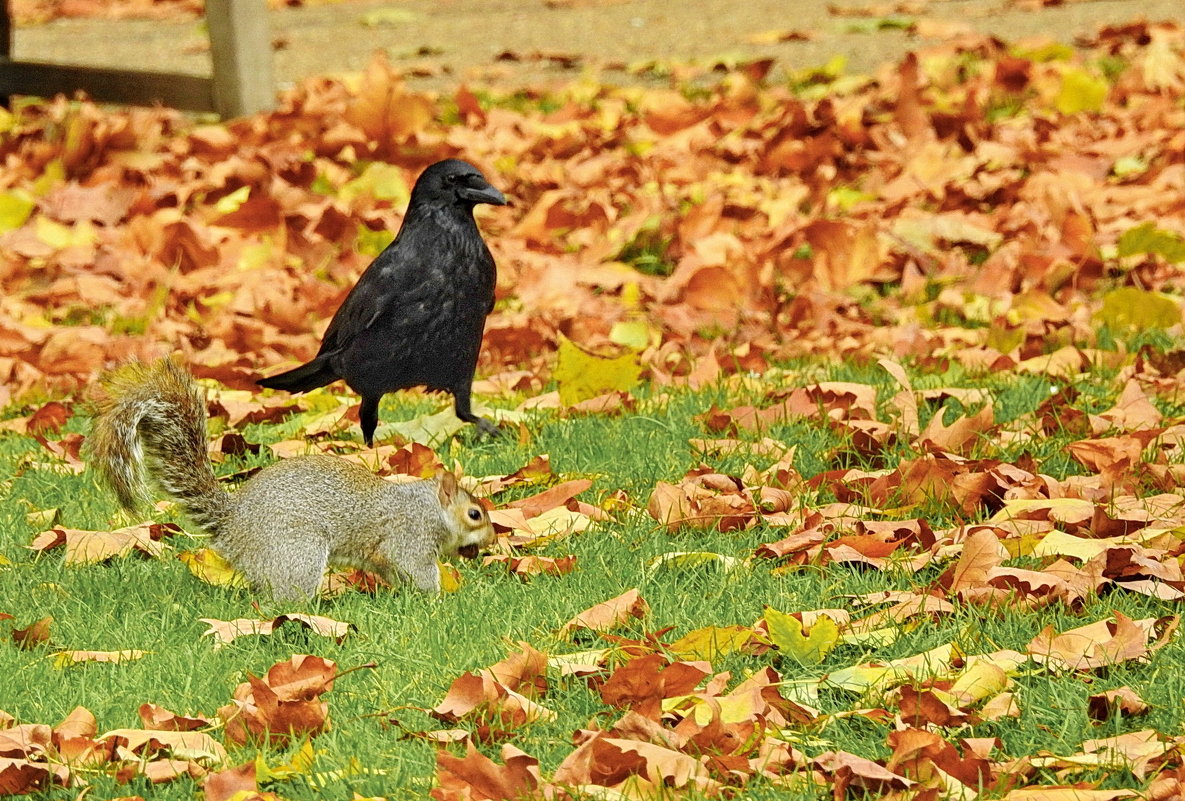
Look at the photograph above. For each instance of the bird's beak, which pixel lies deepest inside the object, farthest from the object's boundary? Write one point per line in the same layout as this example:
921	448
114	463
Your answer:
482	194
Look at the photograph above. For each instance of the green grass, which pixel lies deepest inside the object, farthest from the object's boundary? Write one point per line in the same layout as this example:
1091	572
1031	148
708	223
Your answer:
421	645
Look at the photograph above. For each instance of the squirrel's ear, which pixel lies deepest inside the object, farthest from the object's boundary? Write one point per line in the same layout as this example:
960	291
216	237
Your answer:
447	488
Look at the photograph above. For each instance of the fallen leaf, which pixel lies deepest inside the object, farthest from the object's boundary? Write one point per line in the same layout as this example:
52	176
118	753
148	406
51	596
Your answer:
608	614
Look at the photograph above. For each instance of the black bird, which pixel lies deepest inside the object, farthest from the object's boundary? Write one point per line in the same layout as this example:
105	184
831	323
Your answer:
416	316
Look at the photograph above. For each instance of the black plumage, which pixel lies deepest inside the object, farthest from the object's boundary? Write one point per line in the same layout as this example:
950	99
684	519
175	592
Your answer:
417	314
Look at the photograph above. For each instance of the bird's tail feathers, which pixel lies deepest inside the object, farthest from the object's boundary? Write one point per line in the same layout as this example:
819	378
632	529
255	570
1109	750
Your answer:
316	373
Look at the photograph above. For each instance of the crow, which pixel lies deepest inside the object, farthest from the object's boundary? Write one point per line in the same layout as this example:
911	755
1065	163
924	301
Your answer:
417	314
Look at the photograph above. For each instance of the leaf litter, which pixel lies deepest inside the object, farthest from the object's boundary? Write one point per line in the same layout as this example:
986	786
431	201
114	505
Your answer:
979	206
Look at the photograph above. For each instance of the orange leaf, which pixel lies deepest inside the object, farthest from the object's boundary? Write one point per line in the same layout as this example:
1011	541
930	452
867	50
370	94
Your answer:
609	614
476	776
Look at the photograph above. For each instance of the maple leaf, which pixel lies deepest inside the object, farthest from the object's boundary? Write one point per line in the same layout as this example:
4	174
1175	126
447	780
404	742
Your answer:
32	635
230	783
582	375
212	568
709	643
283	704
494	708
791	637
384	110
63	659
476	776
1102	643
643	683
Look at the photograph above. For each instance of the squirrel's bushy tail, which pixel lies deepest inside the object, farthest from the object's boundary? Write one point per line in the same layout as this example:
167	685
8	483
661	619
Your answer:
152	419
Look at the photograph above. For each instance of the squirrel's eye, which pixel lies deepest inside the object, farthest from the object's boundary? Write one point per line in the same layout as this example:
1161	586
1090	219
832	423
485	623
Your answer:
475	514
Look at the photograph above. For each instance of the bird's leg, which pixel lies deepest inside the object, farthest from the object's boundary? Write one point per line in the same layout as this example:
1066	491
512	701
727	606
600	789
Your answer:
461	404
368	415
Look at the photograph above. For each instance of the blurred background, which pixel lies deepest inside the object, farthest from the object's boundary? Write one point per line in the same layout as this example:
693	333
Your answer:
439	43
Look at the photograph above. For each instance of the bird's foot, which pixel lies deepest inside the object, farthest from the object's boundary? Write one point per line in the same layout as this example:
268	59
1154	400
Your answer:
486	428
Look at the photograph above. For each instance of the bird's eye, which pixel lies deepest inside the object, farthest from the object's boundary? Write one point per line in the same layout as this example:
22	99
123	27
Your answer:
451	179
474	514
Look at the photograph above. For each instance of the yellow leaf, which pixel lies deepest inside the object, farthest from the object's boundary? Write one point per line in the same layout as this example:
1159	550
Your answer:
257	255
557	522
581	662
15	208
42	519
1148	238
1059	543
633	334
979	681
727	708
1080	91
59	236
381	181
711	642
229	203
786	632
582	375
863	678
1055	508
1128	307
693	559
209	566
450	577
427	429
631	296
1004	338
301	764
873	638
53	174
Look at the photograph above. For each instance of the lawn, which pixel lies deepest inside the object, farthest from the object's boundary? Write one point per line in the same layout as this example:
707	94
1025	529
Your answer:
412	647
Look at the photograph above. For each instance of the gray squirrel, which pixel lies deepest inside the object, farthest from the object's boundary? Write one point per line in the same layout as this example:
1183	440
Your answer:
286	524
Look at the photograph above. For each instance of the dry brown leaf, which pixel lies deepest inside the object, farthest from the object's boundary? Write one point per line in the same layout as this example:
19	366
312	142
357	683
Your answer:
225	632
1121	702
609	614
475	775
285	703
1102	643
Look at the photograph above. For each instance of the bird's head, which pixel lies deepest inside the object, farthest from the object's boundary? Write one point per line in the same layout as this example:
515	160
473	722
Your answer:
455	182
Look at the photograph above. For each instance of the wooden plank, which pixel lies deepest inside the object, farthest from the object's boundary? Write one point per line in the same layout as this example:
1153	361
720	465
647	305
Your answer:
241	52
6	31
128	87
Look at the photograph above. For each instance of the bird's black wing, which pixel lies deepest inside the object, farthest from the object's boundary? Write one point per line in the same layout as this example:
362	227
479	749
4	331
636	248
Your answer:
386	291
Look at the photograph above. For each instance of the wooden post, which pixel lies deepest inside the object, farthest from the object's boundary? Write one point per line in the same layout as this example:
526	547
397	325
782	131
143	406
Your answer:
241	51
240	55
6	32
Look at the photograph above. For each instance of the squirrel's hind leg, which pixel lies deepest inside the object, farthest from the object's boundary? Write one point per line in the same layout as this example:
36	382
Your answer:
295	576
